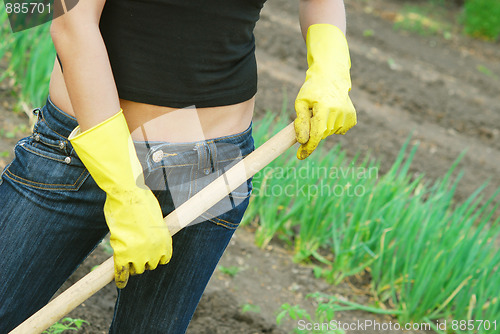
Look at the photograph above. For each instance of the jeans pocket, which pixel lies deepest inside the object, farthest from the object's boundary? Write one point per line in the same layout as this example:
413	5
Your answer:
229	211
176	172
39	166
174	181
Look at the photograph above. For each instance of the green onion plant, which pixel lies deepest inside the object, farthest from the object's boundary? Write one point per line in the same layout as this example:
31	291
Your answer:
431	257
30	56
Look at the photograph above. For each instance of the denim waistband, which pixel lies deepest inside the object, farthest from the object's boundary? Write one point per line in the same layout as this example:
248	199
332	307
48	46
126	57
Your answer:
207	155
64	123
202	153
57	120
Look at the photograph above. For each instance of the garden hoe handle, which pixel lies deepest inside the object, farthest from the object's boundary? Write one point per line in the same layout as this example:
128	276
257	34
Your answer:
178	219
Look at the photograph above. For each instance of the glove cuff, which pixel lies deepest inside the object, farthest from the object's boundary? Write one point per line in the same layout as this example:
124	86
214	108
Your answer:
109	154
327	47
77	132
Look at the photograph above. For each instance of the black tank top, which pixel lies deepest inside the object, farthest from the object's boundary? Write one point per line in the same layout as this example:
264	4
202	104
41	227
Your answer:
178	53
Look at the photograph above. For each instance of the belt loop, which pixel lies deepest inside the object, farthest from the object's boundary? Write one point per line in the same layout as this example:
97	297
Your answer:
36	111
213	156
204	157
207	167
200	150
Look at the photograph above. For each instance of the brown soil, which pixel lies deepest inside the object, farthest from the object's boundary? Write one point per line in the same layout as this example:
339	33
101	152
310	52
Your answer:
403	84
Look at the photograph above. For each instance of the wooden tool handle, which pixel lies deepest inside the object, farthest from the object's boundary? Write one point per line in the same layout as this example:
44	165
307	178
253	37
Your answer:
178	219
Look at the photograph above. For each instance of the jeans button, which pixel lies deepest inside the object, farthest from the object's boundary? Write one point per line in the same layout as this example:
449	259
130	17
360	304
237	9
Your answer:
67	160
157	156
37	137
62	145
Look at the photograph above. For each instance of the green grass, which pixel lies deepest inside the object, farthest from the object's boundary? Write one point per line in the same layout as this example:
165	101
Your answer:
429	256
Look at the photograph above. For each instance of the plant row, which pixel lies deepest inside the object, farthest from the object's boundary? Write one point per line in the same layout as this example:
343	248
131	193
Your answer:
428	257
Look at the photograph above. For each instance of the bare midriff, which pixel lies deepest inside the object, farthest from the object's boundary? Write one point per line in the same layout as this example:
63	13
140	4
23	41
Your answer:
158	123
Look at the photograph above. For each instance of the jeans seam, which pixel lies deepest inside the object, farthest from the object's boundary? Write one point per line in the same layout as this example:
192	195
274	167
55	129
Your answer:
195	183
191	181
42	155
224	223
47	124
215	161
49	144
79	181
159	167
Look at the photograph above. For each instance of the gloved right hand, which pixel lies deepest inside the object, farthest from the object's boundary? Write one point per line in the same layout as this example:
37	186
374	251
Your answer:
139	237
323	105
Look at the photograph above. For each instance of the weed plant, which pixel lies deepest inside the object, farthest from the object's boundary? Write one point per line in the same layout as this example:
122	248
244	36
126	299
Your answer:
322	322
247	307
231	271
428	256
65	325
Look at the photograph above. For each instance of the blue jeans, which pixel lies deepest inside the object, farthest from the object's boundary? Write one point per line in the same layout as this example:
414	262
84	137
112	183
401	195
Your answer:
52	217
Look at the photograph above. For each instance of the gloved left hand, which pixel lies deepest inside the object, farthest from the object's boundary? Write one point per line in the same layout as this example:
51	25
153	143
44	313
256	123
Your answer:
139	236
323	105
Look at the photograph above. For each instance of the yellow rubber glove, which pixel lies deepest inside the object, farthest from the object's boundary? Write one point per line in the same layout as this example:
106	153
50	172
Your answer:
323	105
139	237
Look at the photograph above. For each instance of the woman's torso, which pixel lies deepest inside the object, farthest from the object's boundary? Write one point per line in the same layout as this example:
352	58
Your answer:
158	123
187	73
